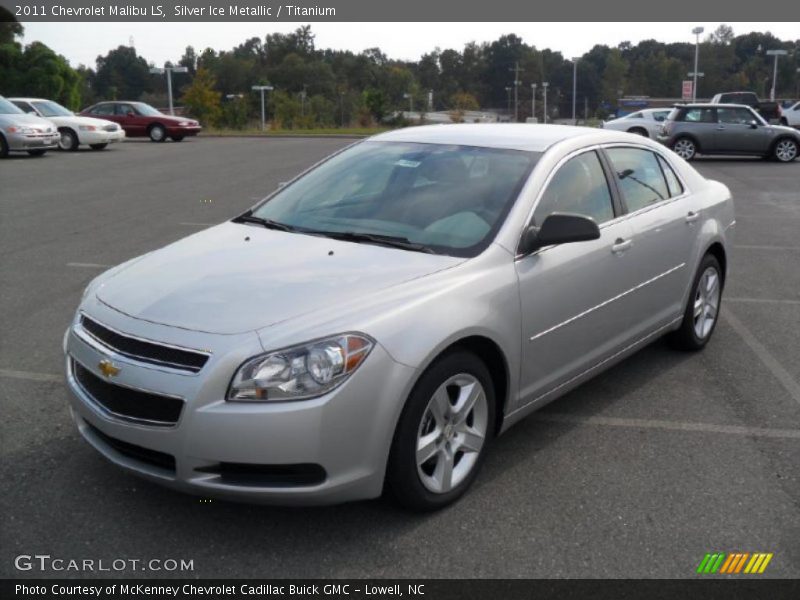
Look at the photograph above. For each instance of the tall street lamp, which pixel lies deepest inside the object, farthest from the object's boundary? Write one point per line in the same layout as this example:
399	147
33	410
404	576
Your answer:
508	93
696	31
574	87
776	54
169	71
533	101
544	97
262	89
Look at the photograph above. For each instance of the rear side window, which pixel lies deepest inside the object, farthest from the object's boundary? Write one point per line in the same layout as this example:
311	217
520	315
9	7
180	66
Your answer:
579	187
639	177
103	109
735	116
24	106
698	115
673	183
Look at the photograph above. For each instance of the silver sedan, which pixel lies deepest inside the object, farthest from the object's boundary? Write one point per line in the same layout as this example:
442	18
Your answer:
376	322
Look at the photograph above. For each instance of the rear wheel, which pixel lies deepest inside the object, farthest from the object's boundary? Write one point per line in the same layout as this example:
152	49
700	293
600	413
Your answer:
158	133
37	152
702	310
785	150
98	146
3	147
685	148
68	141
784	122
441	438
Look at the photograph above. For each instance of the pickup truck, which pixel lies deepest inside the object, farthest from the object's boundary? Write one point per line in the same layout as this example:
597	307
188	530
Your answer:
771	111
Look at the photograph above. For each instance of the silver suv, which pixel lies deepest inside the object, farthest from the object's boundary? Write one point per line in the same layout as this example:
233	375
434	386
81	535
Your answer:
693	129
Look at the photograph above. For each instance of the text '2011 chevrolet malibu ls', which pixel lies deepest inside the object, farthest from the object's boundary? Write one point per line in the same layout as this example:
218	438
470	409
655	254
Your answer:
377	321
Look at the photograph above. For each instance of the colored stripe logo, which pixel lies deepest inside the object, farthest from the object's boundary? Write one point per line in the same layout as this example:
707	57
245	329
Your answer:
734	563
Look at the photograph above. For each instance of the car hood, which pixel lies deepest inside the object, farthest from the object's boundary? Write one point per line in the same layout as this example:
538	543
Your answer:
234	278
77	120
28	120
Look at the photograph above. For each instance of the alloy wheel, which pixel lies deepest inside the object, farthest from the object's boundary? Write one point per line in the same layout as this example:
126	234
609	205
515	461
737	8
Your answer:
452	433
684	148
786	151
706	302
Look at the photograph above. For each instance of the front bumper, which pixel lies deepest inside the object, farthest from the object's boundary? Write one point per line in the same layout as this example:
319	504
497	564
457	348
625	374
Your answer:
346	434
101	137
184	131
22	142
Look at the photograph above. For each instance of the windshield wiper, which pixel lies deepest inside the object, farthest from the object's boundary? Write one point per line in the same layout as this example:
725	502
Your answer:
375	238
268	223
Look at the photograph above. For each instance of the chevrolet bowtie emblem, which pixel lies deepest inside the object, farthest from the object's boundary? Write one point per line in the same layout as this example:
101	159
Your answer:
108	368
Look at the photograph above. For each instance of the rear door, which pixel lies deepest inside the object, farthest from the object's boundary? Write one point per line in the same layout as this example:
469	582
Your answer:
702	124
663	216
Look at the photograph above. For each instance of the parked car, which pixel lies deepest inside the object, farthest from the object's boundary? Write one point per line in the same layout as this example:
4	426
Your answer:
20	132
770	111
75	130
380	318
645	122
790	117
142	120
693	129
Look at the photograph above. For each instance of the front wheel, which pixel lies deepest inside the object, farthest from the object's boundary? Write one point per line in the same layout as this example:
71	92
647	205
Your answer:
785	150
98	146
441	438
685	148
702	310
158	133
68	141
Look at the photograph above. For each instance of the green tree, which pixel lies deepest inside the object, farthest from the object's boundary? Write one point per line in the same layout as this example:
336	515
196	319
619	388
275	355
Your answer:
122	74
201	98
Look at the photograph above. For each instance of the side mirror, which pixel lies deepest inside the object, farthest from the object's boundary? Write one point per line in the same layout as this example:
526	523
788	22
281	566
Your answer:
559	228
754	124
130	113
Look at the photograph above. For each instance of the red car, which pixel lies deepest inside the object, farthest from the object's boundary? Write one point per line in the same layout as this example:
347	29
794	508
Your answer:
142	120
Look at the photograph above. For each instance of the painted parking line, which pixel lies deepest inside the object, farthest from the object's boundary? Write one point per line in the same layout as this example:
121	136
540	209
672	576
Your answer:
761	432
763	301
31	376
755	247
81	265
190	224
765	356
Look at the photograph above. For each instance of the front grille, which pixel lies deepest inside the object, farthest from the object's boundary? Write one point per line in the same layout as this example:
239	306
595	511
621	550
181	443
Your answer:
144	351
128	403
110	128
255	475
154	458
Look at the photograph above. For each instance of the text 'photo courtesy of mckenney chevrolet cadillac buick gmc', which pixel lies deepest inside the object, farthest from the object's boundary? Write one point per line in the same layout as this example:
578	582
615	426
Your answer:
375	322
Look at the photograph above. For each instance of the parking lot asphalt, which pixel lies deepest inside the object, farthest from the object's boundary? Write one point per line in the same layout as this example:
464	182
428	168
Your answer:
638	473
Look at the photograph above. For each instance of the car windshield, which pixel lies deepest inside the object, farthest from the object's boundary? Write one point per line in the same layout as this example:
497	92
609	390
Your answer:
48	108
147	110
6	108
443	198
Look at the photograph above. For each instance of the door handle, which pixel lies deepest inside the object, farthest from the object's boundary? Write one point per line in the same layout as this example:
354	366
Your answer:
621	245
692	216
720	128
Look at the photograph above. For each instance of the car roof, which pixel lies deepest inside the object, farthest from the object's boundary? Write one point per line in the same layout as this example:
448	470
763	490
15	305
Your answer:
508	136
711	105
20	99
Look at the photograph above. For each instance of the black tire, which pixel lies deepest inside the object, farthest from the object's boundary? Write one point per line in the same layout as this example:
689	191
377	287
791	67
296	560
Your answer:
3	147
37	152
177	138
69	140
157	133
402	477
98	146
685	147
639	131
784	122
785	150
687	338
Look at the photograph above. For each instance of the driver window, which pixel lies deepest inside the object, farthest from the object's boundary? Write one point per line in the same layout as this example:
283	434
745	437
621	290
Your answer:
124	109
579	187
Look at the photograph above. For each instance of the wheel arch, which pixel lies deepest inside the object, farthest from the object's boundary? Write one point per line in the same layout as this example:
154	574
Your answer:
638	130
717	250
780	138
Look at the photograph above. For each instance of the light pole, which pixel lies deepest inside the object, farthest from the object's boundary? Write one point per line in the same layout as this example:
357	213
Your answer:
303	101
410	99
262	89
533	101
696	31
776	54
517	82
574	87
544	97
341	105
508	93
169	71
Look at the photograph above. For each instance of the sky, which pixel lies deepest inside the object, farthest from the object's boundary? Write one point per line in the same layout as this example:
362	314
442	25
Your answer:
81	43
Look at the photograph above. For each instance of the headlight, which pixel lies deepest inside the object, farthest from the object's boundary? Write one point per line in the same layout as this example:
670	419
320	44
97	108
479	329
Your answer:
184	124
87	127
300	372
21	129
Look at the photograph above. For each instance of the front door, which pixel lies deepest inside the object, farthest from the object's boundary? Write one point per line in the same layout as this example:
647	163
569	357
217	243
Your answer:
736	133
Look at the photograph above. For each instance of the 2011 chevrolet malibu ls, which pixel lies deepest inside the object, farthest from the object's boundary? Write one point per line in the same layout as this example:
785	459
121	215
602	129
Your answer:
379	319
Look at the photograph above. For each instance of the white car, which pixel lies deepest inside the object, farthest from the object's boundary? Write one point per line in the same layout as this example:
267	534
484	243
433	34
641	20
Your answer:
75	130
791	116
642	122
